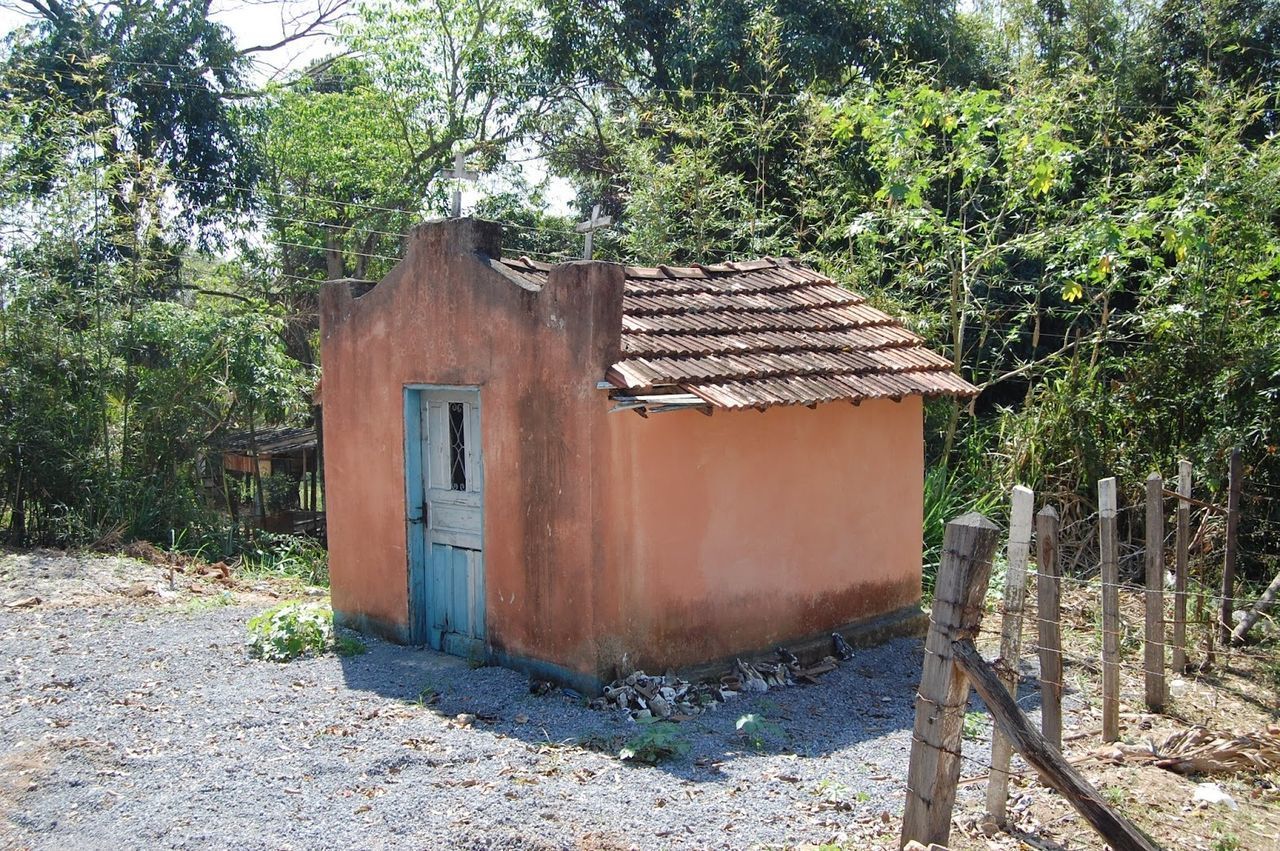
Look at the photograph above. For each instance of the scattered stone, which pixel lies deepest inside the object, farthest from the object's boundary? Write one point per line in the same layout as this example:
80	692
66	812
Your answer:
465	719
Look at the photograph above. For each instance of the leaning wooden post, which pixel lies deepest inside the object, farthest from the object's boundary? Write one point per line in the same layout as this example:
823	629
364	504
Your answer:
1015	592
1117	831
1048	619
1229	560
1108	546
1153	648
934	770
1266	601
1182	558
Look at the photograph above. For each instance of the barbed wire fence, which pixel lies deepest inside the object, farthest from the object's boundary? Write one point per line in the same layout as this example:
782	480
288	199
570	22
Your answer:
1173	596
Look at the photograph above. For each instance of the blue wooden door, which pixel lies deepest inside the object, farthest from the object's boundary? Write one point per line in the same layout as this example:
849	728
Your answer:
451	586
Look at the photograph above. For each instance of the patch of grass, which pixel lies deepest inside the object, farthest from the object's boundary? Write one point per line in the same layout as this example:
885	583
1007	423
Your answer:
947	495
1224	839
836	792
296	557
295	628
657	741
198	605
1114	795
347	646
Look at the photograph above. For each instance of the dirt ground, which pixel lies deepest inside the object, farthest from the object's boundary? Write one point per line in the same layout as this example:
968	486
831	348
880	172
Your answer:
132	718
1239	694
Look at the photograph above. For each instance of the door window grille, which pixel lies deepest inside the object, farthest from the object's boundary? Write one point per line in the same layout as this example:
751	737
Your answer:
457	447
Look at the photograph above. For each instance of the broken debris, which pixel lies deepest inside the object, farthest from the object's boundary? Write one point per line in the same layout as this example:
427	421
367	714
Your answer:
671	698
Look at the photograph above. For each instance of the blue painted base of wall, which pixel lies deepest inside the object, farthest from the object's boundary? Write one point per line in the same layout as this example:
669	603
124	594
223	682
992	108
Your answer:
867	632
589	685
394	632
908	621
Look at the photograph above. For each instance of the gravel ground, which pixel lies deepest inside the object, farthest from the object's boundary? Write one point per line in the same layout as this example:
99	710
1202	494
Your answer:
142	723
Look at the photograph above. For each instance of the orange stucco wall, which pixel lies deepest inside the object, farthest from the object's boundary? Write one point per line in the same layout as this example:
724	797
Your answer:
663	541
748	529
445	316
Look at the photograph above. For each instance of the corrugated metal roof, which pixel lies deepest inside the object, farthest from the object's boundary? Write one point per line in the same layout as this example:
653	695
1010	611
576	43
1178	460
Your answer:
760	333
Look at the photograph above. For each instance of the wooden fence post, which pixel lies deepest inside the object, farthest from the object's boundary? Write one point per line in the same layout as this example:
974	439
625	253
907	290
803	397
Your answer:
1109	548
1048	619
1153	649
1015	593
1229	560
1182	546
958	595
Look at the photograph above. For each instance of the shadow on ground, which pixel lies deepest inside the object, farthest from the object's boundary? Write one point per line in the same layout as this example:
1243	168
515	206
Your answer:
870	697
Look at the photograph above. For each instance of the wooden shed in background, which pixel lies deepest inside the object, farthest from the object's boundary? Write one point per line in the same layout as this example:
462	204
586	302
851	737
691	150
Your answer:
520	464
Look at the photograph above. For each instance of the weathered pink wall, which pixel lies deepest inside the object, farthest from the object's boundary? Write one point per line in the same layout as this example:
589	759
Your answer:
746	529
671	540
444	316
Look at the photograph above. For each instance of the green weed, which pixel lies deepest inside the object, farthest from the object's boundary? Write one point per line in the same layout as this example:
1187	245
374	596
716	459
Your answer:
657	742
297	628
1224	839
757	730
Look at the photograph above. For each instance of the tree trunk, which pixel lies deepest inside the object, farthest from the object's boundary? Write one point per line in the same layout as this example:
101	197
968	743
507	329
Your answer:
334	267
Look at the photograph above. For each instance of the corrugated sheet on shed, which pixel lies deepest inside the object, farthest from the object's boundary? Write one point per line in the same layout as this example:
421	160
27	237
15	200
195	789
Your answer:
761	333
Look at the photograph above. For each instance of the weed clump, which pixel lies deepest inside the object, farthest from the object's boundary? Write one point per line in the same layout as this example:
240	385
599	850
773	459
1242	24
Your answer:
297	628
657	742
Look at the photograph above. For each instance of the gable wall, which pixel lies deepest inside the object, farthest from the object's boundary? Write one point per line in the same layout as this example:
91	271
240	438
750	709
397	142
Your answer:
445	317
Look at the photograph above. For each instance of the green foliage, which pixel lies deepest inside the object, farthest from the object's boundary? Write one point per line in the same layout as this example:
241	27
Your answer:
1224	838
121	83
285	557
657	741
946	497
292	629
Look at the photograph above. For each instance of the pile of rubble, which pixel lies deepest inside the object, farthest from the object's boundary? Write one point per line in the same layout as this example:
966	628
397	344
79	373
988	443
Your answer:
671	698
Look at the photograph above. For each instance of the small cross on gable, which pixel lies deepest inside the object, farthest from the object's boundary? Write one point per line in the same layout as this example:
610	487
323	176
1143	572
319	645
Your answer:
459	174
590	226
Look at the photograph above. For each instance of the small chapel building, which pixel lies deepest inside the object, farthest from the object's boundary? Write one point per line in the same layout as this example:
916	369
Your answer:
579	468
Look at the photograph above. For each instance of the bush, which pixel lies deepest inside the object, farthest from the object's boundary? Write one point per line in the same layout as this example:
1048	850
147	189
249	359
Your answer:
294	629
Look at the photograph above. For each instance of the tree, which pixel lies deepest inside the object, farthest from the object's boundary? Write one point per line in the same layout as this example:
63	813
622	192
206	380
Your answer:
152	82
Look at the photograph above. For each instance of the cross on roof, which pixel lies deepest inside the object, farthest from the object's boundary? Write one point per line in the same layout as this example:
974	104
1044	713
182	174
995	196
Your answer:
590	226
459	174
